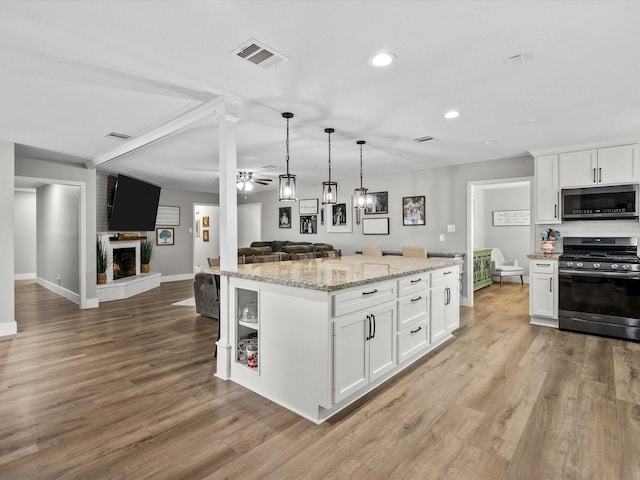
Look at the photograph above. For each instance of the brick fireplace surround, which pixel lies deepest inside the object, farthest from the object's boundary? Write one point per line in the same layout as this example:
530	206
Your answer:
128	286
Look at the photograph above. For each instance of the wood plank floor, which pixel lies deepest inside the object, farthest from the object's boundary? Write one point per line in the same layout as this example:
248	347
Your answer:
127	391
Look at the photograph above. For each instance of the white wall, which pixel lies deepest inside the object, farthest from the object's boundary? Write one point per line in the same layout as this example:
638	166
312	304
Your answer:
8	324
58	238
25	233
201	249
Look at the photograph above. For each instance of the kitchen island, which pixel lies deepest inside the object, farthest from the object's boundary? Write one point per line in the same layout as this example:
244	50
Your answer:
315	335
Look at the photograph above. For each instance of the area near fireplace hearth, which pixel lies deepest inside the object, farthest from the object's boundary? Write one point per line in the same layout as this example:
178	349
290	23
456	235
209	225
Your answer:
124	279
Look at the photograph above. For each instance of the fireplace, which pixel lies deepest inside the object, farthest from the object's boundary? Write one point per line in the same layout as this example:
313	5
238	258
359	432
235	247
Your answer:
124	262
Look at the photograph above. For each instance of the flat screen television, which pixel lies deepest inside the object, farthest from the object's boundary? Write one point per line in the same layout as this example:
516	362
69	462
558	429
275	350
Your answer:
135	205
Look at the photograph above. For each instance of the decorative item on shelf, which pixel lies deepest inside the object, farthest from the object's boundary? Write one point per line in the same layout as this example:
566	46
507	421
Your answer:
102	262
146	252
360	195
549	241
287	182
329	188
252	356
249	313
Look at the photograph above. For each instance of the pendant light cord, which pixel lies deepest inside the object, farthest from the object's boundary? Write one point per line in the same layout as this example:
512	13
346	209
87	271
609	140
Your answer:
329	133
360	165
287	147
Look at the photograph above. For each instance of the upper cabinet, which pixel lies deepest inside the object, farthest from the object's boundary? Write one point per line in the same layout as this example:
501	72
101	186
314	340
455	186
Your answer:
602	166
547	189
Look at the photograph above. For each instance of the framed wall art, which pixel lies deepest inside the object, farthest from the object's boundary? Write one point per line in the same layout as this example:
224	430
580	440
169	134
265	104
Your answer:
205	221
308	206
511	218
284	217
196	228
375	226
164	236
377	202
413	210
168	215
308	224
340	215
205	235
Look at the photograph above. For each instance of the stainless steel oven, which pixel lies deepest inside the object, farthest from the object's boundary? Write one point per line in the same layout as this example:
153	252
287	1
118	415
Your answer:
599	289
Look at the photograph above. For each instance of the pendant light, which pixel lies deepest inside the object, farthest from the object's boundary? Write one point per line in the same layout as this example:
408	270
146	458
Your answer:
329	189
360	193
287	183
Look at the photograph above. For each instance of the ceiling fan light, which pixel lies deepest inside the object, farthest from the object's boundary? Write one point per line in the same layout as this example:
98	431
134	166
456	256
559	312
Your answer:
248	186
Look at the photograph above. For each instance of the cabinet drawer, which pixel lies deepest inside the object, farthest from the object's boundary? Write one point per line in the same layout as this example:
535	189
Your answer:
363	297
445	275
412	340
413	284
543	266
412	309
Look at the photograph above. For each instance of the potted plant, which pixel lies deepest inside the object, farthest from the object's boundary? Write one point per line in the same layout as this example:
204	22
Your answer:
102	262
146	252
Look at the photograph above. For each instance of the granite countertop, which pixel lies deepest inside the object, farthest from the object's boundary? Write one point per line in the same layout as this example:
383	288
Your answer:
542	256
331	274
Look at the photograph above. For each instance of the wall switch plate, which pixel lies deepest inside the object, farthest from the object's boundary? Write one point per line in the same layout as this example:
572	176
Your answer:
451	228
442	237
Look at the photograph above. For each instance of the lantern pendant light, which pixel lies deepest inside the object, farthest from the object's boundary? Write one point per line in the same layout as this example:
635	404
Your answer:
287	182
329	189
360	193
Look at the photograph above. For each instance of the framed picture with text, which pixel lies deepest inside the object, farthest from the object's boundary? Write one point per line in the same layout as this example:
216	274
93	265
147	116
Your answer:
308	206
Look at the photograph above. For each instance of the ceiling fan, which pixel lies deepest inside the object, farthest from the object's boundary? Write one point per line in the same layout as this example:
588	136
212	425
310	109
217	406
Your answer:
246	180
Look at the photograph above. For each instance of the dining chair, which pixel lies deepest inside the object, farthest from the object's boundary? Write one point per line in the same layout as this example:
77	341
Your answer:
267	258
244	259
213	262
414	252
330	254
372	251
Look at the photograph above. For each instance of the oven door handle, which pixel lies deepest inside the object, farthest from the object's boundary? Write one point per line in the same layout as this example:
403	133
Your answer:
596	273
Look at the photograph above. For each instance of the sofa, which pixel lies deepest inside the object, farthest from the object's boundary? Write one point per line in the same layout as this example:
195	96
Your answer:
288	247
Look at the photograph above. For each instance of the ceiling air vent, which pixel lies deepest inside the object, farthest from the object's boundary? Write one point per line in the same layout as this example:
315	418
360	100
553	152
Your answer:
424	139
118	136
259	54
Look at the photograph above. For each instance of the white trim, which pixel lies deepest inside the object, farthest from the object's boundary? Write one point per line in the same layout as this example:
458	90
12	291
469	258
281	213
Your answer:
24	276
63	292
91	303
8	328
177	278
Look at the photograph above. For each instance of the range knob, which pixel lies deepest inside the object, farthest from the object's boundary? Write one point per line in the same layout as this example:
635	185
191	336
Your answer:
596	265
626	267
569	264
579	264
614	266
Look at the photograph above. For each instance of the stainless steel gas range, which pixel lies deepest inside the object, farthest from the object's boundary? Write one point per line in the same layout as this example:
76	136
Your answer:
599	290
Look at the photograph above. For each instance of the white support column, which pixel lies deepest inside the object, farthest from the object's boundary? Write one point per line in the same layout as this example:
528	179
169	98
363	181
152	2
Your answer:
227	116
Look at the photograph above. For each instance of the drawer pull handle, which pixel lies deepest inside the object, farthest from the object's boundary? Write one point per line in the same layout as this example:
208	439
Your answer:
416	330
371	292
416	299
416	281
447	273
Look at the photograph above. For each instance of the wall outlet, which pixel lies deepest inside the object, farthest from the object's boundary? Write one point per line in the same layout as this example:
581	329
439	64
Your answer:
451	228
442	237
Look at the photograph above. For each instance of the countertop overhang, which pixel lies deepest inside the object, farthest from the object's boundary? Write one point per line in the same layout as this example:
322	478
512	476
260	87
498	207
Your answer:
331	274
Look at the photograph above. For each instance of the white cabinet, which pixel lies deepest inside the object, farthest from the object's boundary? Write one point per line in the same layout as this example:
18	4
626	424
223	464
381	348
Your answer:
547	190
445	303
602	166
543	293
413	315
364	348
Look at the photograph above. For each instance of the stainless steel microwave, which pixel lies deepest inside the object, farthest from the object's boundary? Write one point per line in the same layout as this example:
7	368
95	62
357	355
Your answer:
618	202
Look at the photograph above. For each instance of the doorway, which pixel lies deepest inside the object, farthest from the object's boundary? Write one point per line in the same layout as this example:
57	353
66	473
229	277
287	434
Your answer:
486	200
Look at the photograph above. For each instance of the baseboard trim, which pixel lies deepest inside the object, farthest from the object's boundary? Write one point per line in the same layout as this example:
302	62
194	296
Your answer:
8	328
177	278
24	276
63	292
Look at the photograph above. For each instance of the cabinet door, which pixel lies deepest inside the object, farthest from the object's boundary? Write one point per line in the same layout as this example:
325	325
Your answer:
579	169
438	303
542	295
547	189
452	307
618	165
382	345
351	365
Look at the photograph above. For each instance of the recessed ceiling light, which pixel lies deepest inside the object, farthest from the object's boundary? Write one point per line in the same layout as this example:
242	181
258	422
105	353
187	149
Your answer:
452	114
489	142
382	59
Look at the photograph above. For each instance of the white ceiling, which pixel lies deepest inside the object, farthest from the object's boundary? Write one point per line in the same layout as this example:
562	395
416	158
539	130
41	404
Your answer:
70	72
